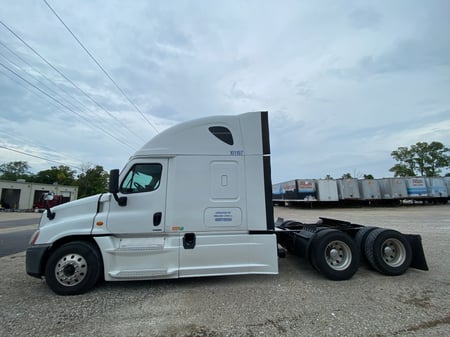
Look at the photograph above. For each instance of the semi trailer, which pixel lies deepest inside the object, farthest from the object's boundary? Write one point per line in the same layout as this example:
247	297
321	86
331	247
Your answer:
385	191
196	200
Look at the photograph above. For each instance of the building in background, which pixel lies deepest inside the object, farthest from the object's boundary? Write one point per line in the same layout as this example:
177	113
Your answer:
21	195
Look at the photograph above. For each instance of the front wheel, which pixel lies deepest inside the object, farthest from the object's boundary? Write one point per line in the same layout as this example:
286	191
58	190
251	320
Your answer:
74	268
334	254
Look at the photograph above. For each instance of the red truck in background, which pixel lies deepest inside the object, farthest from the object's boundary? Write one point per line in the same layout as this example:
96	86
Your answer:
40	205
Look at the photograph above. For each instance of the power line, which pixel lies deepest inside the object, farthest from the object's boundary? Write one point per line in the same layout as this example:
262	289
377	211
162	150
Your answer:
62	75
65	106
23	85
100	66
39	157
86	108
43	148
15	135
21	68
40	73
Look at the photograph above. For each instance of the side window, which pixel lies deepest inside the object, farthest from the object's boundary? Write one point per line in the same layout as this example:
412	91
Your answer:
142	178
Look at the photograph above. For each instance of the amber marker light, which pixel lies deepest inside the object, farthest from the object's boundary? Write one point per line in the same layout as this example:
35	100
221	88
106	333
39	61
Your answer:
99	223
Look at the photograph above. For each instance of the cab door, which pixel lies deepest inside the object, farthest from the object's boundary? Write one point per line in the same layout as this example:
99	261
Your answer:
144	185
143	248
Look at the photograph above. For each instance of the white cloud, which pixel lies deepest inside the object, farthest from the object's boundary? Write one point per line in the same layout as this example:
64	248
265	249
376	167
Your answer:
345	83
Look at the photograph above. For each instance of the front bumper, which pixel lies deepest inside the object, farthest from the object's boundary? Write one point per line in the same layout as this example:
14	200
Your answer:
35	260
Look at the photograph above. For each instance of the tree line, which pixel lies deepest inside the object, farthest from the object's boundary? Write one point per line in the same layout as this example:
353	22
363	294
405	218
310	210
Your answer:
420	159
92	179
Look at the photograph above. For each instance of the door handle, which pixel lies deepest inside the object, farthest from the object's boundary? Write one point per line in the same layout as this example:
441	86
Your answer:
157	218
189	241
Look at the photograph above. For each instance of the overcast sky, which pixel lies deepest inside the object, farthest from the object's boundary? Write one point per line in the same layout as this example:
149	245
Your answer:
345	82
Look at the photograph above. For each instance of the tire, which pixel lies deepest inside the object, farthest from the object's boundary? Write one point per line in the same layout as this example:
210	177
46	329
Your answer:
74	268
360	240
388	251
334	254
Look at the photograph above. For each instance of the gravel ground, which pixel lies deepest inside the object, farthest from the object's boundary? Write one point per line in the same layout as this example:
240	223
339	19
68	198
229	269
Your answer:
297	302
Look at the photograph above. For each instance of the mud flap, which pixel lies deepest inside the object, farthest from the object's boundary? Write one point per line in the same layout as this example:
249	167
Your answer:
418	259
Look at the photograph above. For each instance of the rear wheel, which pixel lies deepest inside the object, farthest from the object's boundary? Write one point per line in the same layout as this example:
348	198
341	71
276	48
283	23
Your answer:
334	254
388	251
74	268
361	237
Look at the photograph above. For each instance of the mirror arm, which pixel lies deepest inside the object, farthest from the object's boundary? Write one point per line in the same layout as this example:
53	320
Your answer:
122	201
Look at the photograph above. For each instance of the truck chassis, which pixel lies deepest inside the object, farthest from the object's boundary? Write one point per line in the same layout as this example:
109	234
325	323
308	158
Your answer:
335	247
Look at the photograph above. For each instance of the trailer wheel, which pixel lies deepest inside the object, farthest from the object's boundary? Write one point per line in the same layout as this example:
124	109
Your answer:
361	238
334	254
74	268
388	251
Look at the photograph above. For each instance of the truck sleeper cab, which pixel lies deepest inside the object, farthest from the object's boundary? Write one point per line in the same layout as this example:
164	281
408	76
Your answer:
196	200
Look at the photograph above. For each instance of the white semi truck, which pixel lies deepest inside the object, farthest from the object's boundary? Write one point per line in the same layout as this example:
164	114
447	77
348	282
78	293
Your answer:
196	200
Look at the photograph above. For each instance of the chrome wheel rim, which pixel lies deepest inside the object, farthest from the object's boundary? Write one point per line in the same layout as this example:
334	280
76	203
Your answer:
338	255
71	270
393	252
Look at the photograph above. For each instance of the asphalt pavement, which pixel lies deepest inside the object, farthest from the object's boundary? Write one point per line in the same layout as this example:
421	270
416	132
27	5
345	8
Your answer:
16	228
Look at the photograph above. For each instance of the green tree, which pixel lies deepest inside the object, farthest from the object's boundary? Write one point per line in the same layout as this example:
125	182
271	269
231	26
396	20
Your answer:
347	176
92	181
368	176
405	165
62	175
420	159
15	170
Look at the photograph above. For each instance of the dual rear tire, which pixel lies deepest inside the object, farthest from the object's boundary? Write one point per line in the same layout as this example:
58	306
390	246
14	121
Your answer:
388	251
334	254
337	255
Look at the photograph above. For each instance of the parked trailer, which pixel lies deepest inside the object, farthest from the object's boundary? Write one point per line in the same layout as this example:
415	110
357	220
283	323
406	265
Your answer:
364	191
370	189
277	193
417	188
393	188
447	184
289	190
327	190
156	224
437	190
348	189
294	191
306	189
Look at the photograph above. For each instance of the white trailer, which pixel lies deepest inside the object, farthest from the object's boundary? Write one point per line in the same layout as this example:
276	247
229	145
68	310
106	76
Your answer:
348	189
437	189
416	187
327	190
196	200
370	189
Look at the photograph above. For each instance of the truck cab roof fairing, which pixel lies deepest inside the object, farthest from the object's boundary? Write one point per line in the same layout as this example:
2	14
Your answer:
196	138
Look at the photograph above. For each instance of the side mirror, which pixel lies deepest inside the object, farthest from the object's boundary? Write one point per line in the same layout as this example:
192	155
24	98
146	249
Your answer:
48	196
114	187
114	181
